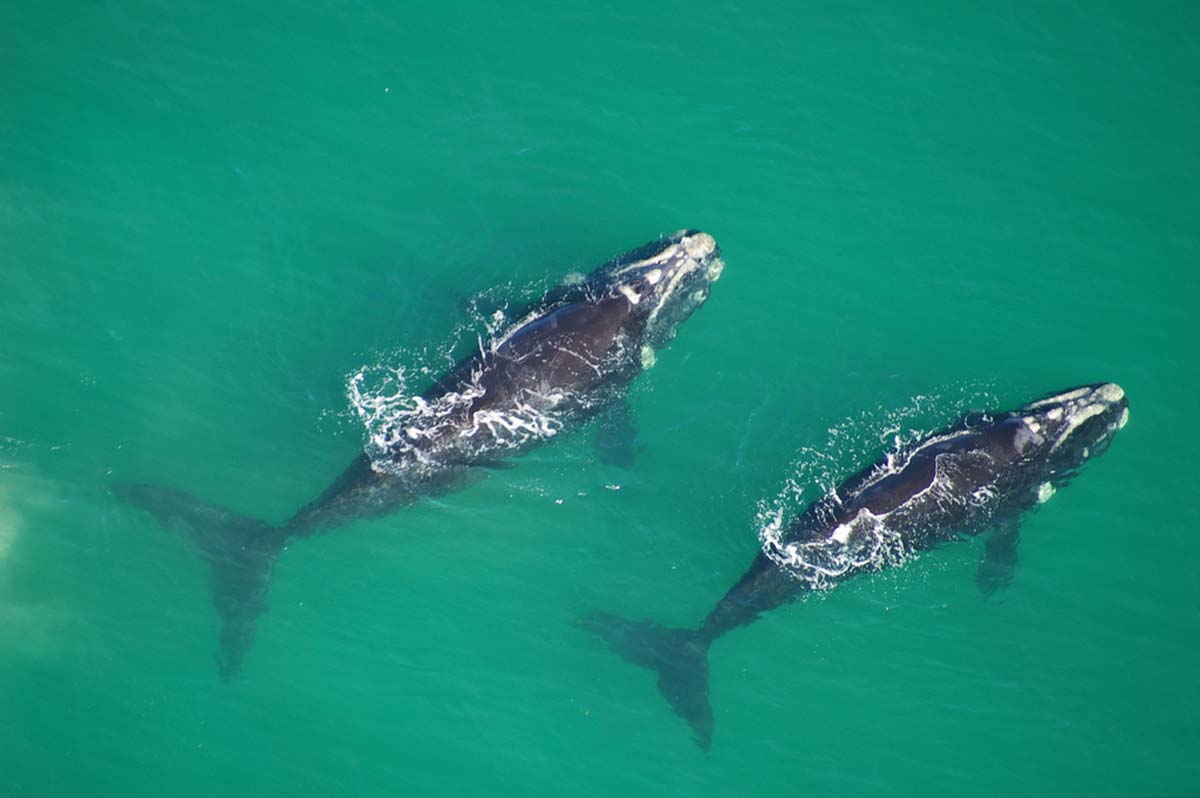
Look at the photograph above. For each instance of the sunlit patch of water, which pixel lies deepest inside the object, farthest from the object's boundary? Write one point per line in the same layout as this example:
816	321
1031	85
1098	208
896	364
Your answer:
26	629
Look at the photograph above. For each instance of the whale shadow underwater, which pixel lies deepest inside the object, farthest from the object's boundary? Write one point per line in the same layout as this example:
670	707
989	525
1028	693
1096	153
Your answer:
981	473
568	358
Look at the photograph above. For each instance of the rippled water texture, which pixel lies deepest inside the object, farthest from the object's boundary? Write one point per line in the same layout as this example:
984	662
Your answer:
212	218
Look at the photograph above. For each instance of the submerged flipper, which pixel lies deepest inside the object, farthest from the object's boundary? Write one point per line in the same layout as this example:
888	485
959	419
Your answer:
999	558
679	656
240	550
616	435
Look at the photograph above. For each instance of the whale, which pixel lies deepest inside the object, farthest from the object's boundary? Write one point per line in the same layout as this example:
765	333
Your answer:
981	474
567	358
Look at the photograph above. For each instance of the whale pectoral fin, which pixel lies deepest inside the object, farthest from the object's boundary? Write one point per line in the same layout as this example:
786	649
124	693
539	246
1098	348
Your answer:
616	435
999	558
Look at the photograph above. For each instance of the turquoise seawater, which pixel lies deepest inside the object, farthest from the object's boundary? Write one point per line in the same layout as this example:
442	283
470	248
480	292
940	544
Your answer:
211	214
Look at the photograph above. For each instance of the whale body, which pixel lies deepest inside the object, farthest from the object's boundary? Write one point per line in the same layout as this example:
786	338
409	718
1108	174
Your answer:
569	357
982	473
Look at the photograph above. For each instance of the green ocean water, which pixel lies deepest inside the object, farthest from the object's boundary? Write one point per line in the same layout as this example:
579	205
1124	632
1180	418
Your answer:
211	216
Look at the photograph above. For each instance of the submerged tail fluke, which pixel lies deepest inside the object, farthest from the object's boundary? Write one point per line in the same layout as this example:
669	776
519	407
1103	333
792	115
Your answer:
679	656
241	551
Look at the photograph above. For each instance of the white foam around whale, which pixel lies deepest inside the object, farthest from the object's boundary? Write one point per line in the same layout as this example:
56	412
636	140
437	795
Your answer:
408	434
865	542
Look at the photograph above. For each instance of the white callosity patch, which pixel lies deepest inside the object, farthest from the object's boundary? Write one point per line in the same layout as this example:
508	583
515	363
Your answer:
1045	492
1075	418
677	262
1060	398
662	256
699	246
675	275
696	247
1080	405
715	267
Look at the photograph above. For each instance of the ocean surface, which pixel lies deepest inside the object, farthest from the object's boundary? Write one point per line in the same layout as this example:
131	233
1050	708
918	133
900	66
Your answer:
213	215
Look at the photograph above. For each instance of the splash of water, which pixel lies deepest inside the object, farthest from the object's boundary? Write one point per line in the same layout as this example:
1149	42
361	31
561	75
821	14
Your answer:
412	431
865	542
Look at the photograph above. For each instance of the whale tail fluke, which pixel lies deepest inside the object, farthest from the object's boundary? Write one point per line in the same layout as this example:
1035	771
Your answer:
241	551
679	656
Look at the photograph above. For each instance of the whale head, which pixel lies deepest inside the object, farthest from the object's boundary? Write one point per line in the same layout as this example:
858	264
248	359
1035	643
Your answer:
666	281
1065	429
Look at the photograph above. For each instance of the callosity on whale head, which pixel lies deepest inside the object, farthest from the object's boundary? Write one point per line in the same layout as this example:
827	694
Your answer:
1069	427
666	280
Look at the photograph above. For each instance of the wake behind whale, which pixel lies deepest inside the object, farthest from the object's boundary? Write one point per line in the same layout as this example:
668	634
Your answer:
568	358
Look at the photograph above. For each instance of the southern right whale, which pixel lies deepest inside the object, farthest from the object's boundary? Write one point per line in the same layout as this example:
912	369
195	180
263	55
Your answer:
981	473
567	358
